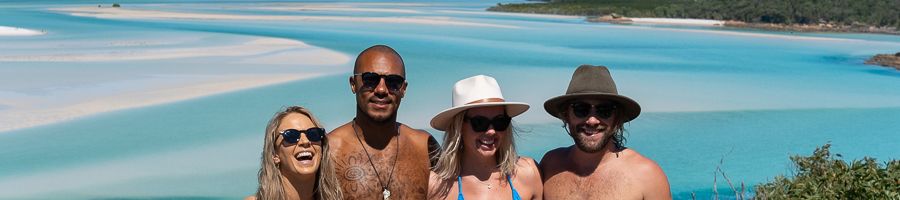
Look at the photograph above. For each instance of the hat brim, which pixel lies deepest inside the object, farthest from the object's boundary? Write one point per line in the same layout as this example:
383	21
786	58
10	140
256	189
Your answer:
443	119
631	108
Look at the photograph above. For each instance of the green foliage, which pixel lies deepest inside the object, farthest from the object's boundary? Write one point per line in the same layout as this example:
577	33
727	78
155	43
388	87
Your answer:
590	8
115	5
821	176
883	13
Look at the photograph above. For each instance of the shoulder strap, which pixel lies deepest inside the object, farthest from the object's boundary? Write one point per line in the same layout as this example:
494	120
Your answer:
459	186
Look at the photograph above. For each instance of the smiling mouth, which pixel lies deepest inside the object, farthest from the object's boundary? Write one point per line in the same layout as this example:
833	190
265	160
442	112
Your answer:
593	131
304	156
380	102
486	142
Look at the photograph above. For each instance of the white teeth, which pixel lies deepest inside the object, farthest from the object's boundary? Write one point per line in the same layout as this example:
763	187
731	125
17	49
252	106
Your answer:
592	131
305	153
487	141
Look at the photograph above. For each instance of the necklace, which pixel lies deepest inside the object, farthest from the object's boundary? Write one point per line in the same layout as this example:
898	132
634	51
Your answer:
384	192
489	184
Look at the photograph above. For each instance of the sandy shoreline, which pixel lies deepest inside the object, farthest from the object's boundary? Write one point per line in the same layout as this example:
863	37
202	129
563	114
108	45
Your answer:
123	13
532	15
751	34
699	23
15	31
674	21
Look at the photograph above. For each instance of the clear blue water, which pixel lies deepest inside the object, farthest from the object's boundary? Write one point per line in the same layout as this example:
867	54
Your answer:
753	101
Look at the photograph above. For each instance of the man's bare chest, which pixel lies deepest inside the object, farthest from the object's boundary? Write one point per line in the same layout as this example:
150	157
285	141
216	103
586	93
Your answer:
604	185
366	177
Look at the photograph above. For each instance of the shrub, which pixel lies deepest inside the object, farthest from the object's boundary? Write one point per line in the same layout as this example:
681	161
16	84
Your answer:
821	176
115	5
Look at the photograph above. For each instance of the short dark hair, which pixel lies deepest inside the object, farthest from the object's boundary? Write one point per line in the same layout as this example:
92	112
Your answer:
379	49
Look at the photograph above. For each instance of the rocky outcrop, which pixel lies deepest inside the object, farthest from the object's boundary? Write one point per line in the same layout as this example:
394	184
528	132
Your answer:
611	18
886	60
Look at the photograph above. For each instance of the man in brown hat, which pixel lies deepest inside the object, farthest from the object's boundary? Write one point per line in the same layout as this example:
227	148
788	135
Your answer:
374	156
598	166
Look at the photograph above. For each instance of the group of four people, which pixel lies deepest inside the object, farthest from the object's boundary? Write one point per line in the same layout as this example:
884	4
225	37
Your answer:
375	157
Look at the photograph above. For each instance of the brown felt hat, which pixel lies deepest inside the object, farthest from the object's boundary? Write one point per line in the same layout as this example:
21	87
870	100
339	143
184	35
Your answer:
593	82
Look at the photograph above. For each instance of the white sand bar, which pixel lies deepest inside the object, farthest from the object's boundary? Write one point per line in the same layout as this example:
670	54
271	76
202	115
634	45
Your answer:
532	15
337	8
253	47
122	13
750	34
674	21
209	69
15	31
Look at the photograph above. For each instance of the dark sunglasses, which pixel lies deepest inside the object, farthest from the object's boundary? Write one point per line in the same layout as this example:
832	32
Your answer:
371	80
583	110
292	136
481	123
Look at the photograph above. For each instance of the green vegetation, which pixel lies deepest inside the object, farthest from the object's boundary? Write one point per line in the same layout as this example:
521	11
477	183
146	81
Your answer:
878	13
821	176
631	8
115	5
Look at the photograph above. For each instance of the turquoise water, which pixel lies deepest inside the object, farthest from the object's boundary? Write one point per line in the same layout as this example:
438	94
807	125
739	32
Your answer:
751	100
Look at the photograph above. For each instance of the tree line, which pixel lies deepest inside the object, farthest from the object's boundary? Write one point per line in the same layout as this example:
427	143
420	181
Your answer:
879	13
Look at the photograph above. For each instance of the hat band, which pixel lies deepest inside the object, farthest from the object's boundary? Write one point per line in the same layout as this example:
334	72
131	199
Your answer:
488	100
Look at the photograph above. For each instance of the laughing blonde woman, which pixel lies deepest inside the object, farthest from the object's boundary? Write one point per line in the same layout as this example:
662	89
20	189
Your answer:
295	160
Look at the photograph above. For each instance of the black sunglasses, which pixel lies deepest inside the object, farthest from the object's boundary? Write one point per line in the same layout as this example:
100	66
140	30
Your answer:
292	136
371	80
481	123
582	109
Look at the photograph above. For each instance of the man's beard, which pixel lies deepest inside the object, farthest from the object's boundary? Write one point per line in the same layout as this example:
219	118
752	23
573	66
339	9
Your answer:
586	146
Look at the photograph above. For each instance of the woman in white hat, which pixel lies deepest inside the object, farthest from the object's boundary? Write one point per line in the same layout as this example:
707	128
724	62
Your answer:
479	159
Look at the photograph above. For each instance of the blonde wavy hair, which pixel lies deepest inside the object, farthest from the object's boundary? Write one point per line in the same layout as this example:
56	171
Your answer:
270	184
448	163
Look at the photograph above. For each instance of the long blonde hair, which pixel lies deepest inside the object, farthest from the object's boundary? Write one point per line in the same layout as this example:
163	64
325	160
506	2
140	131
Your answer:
448	164
270	185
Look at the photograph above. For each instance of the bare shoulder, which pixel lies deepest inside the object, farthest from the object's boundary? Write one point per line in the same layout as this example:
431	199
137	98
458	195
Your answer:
339	135
642	165
438	188
419	137
553	157
528	179
526	166
252	197
415	133
527	170
345	130
647	171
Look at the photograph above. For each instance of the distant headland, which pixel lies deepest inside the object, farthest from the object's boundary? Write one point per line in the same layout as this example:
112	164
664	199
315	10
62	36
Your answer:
860	16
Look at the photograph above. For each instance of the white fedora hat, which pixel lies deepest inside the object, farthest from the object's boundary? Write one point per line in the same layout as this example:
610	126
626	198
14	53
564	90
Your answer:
473	92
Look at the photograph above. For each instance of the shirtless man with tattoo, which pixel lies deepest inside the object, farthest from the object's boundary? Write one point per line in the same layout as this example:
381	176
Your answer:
376	157
598	166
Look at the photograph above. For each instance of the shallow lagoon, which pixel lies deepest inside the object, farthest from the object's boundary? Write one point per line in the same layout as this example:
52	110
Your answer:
706	94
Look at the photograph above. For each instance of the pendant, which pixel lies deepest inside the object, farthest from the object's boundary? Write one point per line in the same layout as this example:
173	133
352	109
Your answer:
386	193
490	187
